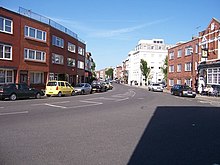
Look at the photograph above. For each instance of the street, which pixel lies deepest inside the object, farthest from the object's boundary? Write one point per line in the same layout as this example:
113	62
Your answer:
127	125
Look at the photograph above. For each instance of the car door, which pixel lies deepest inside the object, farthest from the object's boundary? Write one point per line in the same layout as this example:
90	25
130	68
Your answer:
27	92
68	88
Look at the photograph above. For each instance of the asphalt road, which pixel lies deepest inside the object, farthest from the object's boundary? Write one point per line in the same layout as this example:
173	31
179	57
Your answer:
127	125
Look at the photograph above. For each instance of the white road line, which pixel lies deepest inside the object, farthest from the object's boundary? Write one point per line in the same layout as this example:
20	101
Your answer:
1	107
122	99
61	102
57	106
13	113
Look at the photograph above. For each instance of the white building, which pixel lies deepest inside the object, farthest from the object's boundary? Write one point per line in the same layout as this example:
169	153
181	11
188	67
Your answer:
154	52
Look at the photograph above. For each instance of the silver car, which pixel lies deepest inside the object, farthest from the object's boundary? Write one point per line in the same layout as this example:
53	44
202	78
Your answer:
155	87
83	88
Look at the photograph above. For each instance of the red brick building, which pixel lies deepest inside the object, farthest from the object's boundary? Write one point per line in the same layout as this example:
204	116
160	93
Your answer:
196	62
35	49
182	63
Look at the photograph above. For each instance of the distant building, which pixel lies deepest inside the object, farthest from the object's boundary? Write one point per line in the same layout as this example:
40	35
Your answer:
154	52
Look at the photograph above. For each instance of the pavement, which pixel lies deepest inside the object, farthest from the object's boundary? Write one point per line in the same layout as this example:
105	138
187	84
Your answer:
209	99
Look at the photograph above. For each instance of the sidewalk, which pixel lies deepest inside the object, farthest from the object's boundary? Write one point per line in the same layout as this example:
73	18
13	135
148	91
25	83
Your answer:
198	96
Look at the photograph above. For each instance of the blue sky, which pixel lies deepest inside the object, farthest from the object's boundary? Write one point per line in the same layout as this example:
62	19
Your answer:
112	28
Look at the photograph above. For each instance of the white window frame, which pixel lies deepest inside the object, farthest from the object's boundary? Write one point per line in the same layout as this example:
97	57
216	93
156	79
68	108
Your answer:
179	53
4	52
57	59
81	51
57	41
71	47
188	51
171	68
213	76
36	77
188	66
179	81
171	55
27	33
4	74
71	62
4	26
80	65
27	55
171	82
179	67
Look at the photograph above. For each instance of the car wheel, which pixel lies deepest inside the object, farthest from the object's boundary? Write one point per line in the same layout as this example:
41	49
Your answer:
73	93
82	92
13	97
180	94
38	96
59	94
172	93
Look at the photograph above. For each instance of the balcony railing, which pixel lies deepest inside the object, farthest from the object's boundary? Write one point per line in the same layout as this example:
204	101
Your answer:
40	18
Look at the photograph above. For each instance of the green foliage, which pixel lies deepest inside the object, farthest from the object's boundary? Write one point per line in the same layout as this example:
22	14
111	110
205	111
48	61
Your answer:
109	73
145	69
165	67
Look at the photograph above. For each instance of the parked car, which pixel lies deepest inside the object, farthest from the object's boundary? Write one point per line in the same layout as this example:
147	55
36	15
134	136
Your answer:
83	88
19	91
98	86
155	87
182	90
59	88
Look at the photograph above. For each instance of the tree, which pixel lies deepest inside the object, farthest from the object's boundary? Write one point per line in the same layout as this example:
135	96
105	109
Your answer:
145	69
165	67
109	73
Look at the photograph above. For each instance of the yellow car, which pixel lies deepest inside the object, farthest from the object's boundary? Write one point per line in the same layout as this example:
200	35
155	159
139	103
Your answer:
59	88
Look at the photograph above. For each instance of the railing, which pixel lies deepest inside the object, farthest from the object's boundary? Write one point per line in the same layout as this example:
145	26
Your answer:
40	18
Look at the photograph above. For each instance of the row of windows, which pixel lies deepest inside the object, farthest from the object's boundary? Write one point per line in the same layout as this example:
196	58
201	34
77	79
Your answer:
188	67
34	55
179	81
188	52
6	26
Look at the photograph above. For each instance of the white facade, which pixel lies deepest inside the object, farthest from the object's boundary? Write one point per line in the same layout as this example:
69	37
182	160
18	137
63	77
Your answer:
154	52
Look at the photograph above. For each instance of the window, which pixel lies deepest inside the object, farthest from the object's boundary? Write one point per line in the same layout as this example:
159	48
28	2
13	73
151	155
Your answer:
179	81
188	51
80	51
6	76
37	34
188	82
188	66
57	59
179	53
71	62
171	68
5	52
71	47
34	55
213	76
58	41
37	78
171	55
179	67
80	64
171	82
6	25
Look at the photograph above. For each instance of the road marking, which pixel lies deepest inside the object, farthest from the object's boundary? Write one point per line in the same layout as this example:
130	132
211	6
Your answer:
1	107
61	102
13	113
56	106
122	99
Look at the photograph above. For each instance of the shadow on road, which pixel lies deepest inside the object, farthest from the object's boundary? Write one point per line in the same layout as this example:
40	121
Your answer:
180	136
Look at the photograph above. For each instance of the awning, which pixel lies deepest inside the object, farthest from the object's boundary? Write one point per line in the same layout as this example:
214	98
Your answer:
211	65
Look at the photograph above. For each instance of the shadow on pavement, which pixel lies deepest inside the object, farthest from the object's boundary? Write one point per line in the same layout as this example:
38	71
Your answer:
180	136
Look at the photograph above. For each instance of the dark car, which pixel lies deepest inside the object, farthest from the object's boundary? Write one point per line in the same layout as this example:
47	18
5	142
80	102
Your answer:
98	86
19	91
182	90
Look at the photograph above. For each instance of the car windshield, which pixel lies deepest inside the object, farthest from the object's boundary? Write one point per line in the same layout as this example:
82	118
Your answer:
52	84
